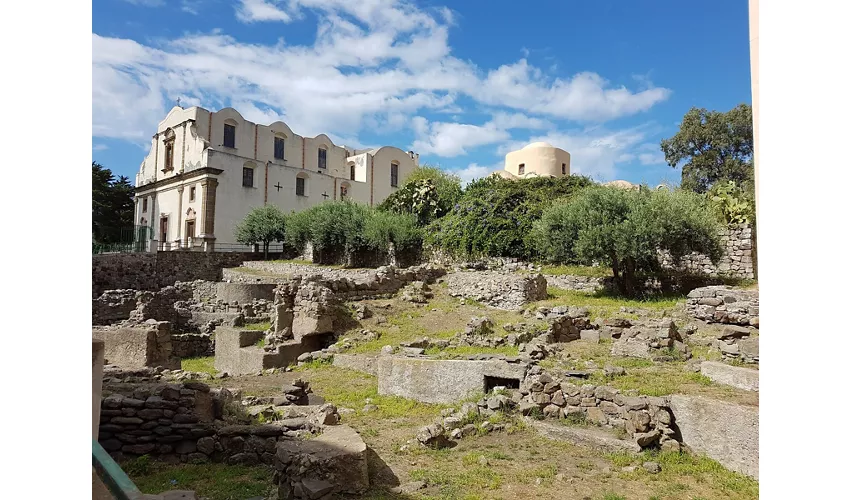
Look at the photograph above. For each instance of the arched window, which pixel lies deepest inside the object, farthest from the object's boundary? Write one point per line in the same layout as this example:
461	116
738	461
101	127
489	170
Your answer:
169	151
352	171
248	175
343	190
563	169
229	134
301	185
522	169
323	158
394	174
278	147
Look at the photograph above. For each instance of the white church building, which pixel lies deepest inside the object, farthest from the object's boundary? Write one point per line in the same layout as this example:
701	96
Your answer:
206	170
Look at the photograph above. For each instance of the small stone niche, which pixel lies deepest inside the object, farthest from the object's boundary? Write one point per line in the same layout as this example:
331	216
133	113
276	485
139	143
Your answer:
491	382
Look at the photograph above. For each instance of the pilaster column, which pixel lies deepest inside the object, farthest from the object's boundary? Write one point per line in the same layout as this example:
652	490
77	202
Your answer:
180	214
208	188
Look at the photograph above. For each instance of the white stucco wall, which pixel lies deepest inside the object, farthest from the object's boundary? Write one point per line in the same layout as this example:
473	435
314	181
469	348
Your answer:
540	159
199	137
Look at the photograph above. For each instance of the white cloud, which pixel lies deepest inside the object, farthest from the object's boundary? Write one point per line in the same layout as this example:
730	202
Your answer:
586	96
147	3
191	6
475	171
99	147
594	152
374	63
453	139
448	139
252	11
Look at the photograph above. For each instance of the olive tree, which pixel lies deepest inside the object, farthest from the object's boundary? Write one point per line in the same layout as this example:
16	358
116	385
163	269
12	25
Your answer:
262	225
626	230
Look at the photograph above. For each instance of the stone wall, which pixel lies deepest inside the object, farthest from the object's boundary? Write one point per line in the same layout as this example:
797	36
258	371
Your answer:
501	290
738	260
154	270
189	422
237	352
113	306
726	432
347	284
148	344
192	345
724	304
645	419
578	283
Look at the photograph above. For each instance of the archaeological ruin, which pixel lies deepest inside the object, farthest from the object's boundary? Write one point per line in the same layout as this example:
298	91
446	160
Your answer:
292	366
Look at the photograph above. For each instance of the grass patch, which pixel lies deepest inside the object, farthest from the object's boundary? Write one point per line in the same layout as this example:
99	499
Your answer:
655	382
265	325
300	262
261	343
604	305
212	481
350	389
463	351
585	271
675	465
204	364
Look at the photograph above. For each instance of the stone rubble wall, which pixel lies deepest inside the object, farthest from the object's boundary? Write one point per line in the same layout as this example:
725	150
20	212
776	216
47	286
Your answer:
113	306
188	422
738	260
509	291
154	270
192	345
578	283
347	284
648	420
723	304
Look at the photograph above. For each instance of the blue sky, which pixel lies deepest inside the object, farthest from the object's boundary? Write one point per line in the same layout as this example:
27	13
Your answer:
461	83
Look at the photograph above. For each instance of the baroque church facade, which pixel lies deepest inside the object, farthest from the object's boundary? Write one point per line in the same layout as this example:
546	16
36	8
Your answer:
207	170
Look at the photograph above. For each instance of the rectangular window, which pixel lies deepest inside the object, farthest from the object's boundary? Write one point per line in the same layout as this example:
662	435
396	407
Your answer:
191	194
521	168
144	204
229	136
563	169
394	175
323	158
299	186
352	172
247	177
343	192
278	148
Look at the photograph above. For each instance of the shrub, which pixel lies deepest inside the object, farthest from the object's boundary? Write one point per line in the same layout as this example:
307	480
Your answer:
732	203
495	215
626	229
343	228
428	194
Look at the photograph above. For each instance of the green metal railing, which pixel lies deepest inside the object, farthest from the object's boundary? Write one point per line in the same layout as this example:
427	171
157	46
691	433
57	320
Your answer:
119	484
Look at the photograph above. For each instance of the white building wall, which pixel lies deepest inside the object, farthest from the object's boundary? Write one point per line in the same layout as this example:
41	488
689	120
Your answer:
199	138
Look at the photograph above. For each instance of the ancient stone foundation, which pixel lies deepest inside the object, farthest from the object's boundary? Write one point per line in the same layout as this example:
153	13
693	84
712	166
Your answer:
443	381
148	344
726	432
508	291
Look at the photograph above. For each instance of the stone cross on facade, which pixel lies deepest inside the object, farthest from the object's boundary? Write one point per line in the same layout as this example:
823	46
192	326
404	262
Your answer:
278	186
325	195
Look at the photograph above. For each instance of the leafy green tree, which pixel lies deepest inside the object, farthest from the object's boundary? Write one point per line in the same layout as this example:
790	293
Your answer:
262	225
626	229
494	215
714	146
428	193
112	205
